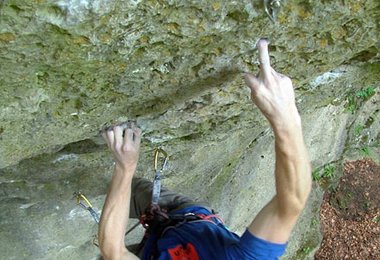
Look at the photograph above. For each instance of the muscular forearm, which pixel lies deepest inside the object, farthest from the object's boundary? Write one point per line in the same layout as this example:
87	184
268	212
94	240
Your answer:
124	143
293	183
292	172
115	215
273	94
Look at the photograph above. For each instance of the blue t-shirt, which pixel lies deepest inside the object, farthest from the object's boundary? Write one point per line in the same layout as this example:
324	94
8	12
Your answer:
207	240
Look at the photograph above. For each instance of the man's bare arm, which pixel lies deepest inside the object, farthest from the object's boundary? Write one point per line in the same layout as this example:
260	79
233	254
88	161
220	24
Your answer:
115	212
273	94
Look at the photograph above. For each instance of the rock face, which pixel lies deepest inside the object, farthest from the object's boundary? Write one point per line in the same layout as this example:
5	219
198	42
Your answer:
71	67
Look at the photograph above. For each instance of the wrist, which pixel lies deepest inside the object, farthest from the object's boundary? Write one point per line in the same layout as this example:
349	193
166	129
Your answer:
125	170
288	131
287	123
287	128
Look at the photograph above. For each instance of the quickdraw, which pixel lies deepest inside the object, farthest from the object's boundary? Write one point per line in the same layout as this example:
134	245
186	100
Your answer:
86	204
156	220
159	219
158	170
154	213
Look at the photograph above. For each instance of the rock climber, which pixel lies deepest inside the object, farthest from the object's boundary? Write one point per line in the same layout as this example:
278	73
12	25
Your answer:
199	234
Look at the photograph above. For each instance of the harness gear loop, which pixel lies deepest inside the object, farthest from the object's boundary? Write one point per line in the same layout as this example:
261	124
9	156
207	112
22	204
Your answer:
86	204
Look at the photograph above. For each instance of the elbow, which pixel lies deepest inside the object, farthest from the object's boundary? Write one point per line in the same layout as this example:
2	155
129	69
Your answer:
301	202
110	250
111	253
291	207
307	186
106	251
301	197
294	204
301	194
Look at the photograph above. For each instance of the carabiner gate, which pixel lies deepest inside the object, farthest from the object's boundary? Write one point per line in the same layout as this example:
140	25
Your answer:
80	198
157	174
165	157
86	204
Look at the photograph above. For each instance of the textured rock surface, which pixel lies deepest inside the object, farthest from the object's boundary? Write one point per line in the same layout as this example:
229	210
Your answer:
76	65
69	67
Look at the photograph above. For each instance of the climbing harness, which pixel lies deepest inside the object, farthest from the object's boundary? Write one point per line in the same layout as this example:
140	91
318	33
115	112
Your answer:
157	220
158	223
86	204
272	8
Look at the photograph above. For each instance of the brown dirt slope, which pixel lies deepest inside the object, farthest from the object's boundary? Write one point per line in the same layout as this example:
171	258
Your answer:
350	216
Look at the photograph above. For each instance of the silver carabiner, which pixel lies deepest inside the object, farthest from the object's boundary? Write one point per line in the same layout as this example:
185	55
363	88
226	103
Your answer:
272	8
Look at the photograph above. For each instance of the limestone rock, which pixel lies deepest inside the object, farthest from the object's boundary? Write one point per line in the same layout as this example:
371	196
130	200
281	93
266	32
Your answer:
69	68
77	65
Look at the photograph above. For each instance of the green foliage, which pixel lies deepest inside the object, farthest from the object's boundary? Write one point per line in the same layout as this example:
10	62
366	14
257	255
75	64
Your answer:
351	104
329	171
316	175
365	93
358	129
365	151
306	250
355	99
376	219
314	222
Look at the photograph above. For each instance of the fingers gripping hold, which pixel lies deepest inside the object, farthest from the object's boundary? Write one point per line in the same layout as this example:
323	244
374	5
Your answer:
124	142
137	134
110	138
272	92
132	134
128	138
104	135
264	58
118	133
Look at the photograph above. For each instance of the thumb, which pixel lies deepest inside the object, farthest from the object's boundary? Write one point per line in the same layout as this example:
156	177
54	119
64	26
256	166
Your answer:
251	81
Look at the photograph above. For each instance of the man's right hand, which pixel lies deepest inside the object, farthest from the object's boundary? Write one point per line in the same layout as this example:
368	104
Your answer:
273	92
274	95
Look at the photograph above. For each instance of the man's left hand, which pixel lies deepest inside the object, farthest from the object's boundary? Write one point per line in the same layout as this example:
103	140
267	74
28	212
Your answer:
124	145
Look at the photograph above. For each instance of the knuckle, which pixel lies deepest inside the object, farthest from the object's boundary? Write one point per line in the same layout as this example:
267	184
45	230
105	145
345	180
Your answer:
117	146
125	148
